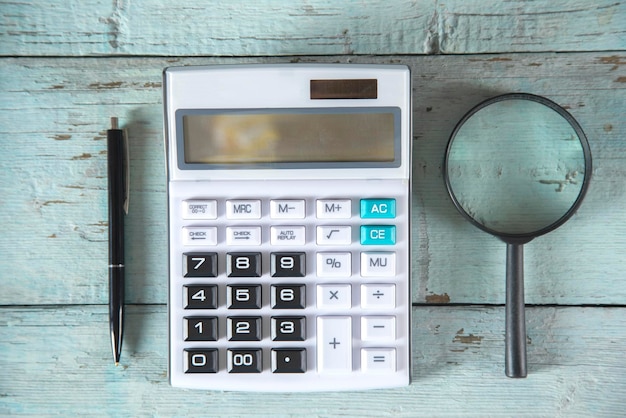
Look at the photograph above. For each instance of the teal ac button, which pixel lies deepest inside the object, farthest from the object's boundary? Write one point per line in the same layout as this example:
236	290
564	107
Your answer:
378	208
378	234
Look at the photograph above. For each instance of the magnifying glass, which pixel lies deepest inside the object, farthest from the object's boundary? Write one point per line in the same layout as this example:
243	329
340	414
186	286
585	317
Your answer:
517	166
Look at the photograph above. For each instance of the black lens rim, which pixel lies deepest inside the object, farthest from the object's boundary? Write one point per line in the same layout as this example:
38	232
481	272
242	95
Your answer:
522	238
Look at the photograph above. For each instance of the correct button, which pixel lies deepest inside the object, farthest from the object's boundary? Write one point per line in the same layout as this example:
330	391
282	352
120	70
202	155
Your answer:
200	209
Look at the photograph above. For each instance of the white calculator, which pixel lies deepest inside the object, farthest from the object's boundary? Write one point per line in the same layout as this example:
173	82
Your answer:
289	236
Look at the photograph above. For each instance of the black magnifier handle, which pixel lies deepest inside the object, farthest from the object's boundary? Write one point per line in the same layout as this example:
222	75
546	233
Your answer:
515	339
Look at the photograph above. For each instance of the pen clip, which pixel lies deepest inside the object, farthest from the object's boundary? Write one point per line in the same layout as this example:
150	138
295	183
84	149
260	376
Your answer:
126	170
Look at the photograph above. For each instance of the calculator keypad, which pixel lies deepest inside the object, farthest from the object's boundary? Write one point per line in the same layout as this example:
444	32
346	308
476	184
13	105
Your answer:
294	286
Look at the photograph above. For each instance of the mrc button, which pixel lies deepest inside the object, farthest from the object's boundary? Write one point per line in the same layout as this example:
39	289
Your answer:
378	208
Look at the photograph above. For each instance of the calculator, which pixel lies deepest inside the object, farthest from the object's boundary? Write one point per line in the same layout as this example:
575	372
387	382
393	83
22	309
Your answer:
289	226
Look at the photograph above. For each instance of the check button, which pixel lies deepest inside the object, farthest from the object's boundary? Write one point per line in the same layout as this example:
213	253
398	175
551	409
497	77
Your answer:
193	235
243	235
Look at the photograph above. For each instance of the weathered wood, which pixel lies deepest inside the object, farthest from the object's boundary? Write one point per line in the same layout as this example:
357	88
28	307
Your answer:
57	361
56	105
318	27
53	116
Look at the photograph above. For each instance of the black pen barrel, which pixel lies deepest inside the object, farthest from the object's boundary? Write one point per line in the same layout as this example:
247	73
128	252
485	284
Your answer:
117	195
116	168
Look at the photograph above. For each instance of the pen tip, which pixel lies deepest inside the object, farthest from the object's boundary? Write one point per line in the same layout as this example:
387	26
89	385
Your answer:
117	363
114	124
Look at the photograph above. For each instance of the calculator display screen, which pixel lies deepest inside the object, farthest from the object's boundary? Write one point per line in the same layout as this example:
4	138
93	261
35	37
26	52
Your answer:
292	136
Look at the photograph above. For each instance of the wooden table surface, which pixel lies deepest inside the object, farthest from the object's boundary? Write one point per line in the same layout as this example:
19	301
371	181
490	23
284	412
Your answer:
67	66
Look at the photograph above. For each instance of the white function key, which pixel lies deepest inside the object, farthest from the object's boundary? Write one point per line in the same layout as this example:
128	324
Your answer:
378	328
198	235
334	235
334	296
378	360
199	209
378	264
378	296
243	235
287	209
243	209
334	344
334	209
334	264
287	235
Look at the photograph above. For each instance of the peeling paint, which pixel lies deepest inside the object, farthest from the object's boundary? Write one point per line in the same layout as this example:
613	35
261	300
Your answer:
105	86
55	202
64	137
494	59
83	156
434	298
615	60
466	339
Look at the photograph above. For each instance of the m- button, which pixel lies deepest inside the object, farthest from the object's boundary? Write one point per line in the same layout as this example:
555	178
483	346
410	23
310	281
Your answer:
287	209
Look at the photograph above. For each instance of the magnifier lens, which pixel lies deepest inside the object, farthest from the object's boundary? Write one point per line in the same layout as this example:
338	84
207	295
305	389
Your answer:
516	167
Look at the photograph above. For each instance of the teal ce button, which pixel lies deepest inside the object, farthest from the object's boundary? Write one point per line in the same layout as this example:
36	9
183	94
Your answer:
378	234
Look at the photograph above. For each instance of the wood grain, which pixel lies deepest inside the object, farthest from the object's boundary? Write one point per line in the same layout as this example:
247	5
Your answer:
53	209
312	27
576	368
67	66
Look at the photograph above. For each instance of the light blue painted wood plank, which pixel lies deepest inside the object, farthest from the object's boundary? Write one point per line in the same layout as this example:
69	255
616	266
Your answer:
57	361
522	26
318	27
53	116
261	28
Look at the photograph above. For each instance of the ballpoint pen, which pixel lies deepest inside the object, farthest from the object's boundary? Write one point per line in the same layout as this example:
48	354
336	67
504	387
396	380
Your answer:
117	159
